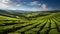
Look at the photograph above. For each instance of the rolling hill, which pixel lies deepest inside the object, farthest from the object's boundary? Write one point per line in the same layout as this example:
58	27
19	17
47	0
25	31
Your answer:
39	22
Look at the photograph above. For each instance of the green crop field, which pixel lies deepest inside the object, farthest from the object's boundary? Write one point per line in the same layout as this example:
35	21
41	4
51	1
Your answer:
46	22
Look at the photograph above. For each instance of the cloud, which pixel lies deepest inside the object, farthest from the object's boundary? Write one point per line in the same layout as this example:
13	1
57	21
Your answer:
5	4
18	5
44	7
34	3
5	1
41	6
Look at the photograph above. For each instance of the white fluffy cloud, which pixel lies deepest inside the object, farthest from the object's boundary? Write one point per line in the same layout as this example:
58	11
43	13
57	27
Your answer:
5	4
18	5
5	1
34	3
44	7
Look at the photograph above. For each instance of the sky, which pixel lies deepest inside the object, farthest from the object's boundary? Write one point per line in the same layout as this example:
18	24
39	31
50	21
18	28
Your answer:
30	5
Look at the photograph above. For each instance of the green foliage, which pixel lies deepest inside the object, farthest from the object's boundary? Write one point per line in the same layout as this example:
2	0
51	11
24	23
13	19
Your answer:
30	23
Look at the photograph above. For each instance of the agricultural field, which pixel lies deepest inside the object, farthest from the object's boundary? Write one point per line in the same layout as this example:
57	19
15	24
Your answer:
46	22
